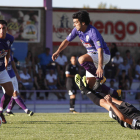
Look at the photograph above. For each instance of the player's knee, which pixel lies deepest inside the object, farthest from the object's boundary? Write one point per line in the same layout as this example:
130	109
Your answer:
81	60
102	102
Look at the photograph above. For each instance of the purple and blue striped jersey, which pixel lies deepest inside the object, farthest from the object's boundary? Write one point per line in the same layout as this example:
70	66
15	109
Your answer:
5	45
91	39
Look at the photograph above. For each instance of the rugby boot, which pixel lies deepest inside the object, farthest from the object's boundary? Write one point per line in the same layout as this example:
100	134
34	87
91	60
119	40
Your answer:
9	113
81	84
119	91
30	113
73	111
3	118
103	81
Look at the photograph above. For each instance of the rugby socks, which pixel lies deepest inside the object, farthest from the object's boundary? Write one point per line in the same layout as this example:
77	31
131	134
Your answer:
107	90
20	102
90	67
11	105
95	98
72	103
4	101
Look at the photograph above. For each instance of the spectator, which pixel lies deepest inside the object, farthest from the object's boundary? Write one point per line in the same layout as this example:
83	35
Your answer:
36	66
29	62
26	81
137	70
113	49
123	80
45	60
109	71
124	66
51	80
116	60
131	61
61	62
61	83
39	84
112	84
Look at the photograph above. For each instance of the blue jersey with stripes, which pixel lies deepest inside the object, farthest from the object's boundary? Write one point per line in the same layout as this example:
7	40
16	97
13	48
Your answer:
91	39
5	45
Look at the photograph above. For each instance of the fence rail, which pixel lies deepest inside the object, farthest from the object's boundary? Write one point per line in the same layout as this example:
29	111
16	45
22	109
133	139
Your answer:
80	101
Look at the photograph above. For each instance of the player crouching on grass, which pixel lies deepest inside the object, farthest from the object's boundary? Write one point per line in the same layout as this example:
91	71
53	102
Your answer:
126	114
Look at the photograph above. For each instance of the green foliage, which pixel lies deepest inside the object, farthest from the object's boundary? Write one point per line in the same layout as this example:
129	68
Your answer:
65	126
104	6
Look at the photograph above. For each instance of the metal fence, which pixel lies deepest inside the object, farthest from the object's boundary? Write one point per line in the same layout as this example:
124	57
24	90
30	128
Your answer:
127	96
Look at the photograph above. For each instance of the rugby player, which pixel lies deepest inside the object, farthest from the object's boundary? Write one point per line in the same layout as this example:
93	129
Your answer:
12	71
98	54
5	44
124	113
71	70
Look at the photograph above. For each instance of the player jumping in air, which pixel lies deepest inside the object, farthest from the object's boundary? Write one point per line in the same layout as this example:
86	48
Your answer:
98	54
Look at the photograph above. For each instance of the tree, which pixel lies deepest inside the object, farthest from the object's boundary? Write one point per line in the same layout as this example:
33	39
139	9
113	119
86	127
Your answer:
86	7
104	6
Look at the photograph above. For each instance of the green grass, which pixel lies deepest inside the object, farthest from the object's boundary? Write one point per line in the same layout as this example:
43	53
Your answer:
65	126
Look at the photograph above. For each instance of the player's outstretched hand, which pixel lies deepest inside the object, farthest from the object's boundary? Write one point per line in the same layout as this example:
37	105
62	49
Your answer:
55	55
99	72
108	98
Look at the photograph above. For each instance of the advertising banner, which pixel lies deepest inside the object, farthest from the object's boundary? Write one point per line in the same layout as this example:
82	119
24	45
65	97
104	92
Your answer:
24	25
121	27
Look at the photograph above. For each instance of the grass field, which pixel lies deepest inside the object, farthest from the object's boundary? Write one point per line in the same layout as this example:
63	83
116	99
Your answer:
65	126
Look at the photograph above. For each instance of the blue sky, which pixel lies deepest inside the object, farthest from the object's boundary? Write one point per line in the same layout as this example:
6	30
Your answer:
123	4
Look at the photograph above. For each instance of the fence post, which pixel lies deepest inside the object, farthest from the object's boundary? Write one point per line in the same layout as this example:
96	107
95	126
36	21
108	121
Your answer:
34	100
80	102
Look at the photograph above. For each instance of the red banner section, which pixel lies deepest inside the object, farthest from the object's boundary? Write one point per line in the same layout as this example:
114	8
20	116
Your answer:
121	27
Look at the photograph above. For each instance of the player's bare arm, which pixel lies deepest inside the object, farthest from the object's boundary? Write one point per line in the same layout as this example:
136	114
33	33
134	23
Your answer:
108	98
15	70
7	58
62	46
99	71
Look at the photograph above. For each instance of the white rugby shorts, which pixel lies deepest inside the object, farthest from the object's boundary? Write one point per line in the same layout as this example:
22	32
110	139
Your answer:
4	77
15	84
94	56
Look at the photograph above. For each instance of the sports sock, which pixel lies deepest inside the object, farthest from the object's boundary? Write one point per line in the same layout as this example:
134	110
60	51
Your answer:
11	105
95	98
72	103
107	90
4	101
20	102
90	67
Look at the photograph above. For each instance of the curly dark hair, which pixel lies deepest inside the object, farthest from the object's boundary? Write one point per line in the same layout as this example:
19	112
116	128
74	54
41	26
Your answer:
82	16
3	22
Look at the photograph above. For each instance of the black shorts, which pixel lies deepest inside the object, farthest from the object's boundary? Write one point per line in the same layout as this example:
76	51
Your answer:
72	92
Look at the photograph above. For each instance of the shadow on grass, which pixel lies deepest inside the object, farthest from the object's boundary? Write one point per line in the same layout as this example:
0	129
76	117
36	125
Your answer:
63	122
